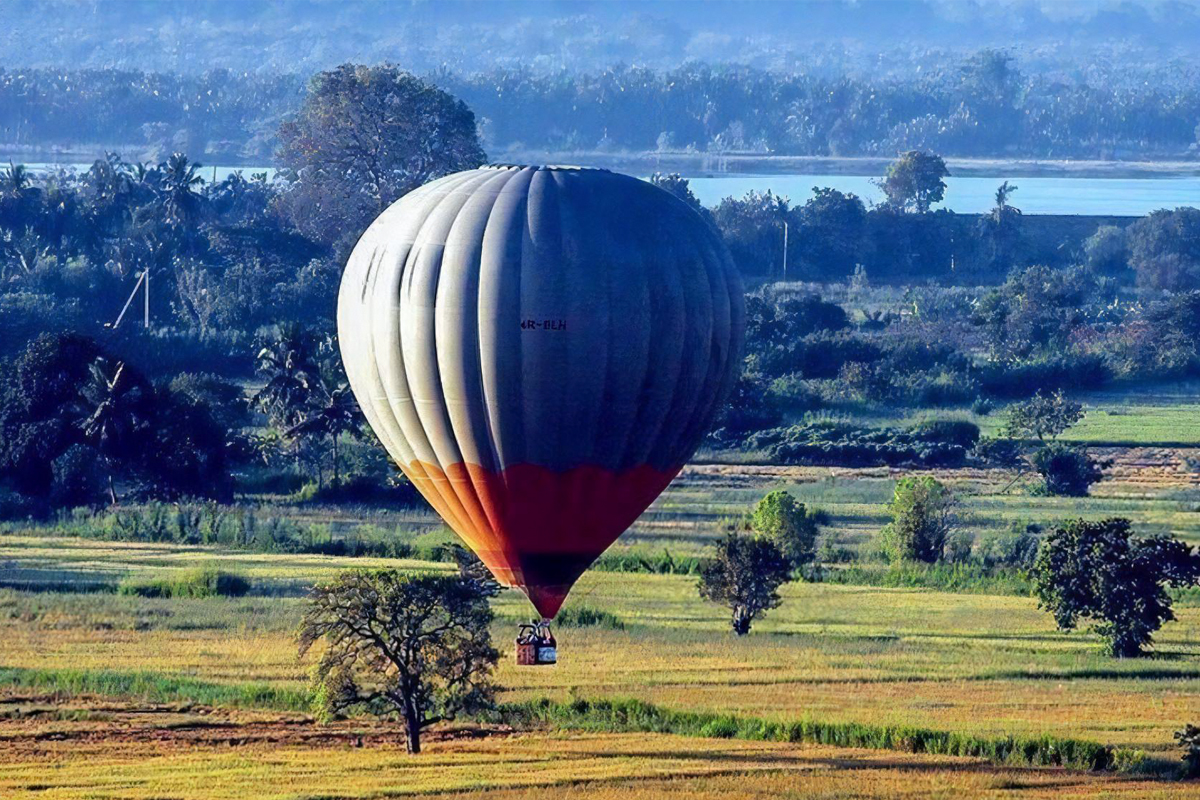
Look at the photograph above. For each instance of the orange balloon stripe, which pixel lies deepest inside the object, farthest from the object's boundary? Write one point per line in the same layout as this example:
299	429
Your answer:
538	529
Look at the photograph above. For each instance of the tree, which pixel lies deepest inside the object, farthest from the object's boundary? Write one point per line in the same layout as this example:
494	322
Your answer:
40	407
1001	229
329	410
1164	249
1042	416
288	362
753	229
415	646
914	181
745	574
922	511
1098	571
828	236
1107	250
788	524
677	185
120	405
363	137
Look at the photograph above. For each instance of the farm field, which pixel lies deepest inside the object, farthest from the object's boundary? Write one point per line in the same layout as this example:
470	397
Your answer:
987	664
112	753
124	696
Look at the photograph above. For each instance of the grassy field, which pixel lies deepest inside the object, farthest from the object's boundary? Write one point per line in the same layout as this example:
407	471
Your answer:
113	696
160	753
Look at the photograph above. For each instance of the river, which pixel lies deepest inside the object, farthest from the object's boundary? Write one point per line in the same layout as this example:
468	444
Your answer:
1132	197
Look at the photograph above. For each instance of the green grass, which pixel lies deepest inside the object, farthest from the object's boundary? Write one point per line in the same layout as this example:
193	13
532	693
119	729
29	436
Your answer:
153	687
206	581
635	716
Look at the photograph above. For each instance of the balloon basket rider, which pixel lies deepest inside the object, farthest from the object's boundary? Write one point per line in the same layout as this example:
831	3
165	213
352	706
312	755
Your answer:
536	645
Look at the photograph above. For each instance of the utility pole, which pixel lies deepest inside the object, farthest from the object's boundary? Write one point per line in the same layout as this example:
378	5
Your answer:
143	283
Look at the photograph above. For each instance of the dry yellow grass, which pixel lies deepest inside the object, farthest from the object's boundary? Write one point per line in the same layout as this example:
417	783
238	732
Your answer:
114	755
976	663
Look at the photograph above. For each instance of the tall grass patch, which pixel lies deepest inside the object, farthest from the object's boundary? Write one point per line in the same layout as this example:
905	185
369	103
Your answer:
207	581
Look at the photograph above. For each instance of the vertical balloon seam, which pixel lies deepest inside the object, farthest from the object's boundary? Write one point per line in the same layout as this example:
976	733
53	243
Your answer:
673	268
712	270
487	527
416	434
692	382
434	413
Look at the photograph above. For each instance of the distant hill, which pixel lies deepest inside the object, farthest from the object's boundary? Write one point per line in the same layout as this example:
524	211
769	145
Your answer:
421	35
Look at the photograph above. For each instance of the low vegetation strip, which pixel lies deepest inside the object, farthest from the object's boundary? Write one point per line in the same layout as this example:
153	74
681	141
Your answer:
630	716
153	688
615	715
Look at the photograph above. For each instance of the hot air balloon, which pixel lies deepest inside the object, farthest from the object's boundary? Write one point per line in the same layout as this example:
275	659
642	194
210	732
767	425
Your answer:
540	349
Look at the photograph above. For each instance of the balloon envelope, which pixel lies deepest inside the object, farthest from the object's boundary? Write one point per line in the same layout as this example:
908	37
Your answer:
540	349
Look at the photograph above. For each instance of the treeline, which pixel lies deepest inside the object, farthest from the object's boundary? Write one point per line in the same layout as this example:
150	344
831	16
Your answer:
981	105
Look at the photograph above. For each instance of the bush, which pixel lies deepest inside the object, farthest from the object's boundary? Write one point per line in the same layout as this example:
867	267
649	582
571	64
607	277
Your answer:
587	617
922	517
791	526
1016	547
959	432
195	583
1189	740
845	444
1067	471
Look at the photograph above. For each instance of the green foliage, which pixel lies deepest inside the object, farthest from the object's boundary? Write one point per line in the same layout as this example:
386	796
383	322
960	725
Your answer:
922	510
1098	571
659	563
205	581
846	444
581	616
915	181
791	526
1016	547
1067	471
973	578
152	687
1164	249
1189	740
627	715
745	574
1042	416
418	647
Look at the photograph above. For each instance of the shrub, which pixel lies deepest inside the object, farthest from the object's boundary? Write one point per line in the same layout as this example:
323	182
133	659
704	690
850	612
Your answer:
195	583
1016	547
1189	740
788	524
922	511
845	444
959	432
1067	471
588	617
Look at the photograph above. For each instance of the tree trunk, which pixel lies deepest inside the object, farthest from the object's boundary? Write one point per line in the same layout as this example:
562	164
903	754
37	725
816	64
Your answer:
412	729
112	491
741	621
337	478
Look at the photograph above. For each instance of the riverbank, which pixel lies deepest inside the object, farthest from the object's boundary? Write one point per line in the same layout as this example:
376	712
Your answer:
704	164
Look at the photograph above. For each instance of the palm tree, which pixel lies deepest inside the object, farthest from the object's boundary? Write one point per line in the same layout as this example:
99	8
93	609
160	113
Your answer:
288	362
14	180
116	403
179	180
332	411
